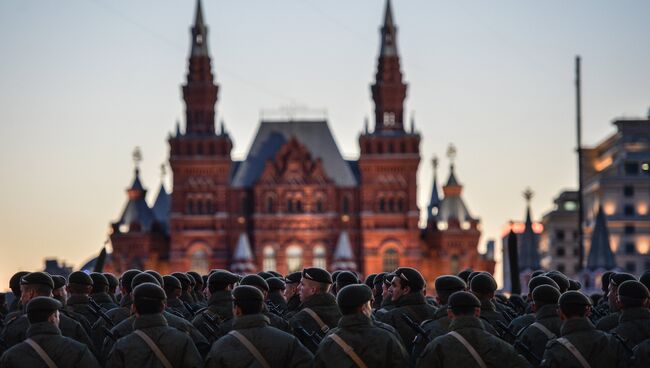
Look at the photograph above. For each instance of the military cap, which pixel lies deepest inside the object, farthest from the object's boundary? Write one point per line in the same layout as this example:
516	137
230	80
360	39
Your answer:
158	277
171	282
59	281
464	274
142	278
388	278
264	274
43	303
471	276
36	278
463	299
560	279
604	280
255	280
205	279
354	295
574	285
412	276
197	278
191	280
379	278
645	279
370	280
633	289
148	290
293	278
81	278
619	278
14	282
275	283
221	277
537	273
183	278
113	282
98	279
449	283
573	297
346	278
317	274
335	274
127	278
546	294
275	274
483	283
247	292
541	280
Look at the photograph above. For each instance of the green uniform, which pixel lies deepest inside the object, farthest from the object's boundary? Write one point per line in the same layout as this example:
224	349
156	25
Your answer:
641	357
416	307
78	303
116	315
219	308
490	314
520	323
64	351
633	326
132	351
15	331
447	351
177	307
324	305
104	300
600	349
278	348
377	344
535	338
609	322
293	305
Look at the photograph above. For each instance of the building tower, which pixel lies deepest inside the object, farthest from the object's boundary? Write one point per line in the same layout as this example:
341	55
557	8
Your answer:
201	164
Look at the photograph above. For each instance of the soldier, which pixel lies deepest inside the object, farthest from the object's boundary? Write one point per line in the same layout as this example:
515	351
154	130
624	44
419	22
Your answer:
219	309
468	344
275	320
59	292
113	283
634	321
197	290
252	342
370	280
484	287
346	278
521	322
580	344
610	321
33	285
99	293
173	289
358	340
45	346
377	290
407	291
153	343
318	311
641	356
292	281
275	301
546	325
14	285
80	285
186	284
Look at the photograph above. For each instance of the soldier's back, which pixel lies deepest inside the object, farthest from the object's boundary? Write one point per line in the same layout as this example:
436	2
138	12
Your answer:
535	336
634	326
324	306
641	356
415	307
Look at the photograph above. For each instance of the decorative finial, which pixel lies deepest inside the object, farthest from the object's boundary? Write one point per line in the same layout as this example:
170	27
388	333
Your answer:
434	162
137	157
412	122
451	153
163	171
223	127
528	195
178	128
365	124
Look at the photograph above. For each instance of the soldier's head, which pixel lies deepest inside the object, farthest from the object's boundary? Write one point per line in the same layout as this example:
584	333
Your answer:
148	298
574	304
292	281
346	278
633	294
14	282
276	286
100	283
113	282
377	288
385	286
545	295
35	284
405	281
463	303
221	281
172	287
158	277
615	280
258	282
79	283
446	285
198	281
60	291
186	283
126	280
43	309
355	298
537	281
314	281
246	300
483	286
604	281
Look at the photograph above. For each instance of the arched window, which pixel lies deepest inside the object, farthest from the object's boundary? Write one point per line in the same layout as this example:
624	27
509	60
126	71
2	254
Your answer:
391	205
319	208
269	259
345	206
298	205
382	205
400	204
320	258
270	204
199	209
190	206
290	208
294	258
453	264
390	260
199	261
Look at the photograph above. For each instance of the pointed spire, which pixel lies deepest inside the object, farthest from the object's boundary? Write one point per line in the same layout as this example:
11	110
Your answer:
529	258
137	188
162	205
223	127
242	260
178	128
388	33
365	125
451	155
434	202
199	33
600	252
413	122
343	255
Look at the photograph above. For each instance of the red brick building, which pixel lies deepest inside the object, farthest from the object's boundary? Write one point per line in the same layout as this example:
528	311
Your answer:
294	201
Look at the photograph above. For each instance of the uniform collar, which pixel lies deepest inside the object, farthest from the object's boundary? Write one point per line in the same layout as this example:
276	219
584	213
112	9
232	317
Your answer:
42	328
632	314
411	299
77	299
149	320
102	298
462	322
320	299
126	300
576	325
250	321
356	319
220	297
487	304
546	311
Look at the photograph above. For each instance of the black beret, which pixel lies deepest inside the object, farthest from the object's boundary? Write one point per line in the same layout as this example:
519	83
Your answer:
541	280
619	278
335	274
197	278
574	285
412	276
265	275
148	290
205	279
222	278
449	283
171	282
275	283
255	280
346	278
633	289
604	280
43	303
98	279
142	278
35	278
546	294
317	274
293	278
14	282
275	274
247	292
81	278
183	278
113	282
127	278
537	273
483	283
59	281
560	279
379	278
352	296
388	279
370	279
158	277
465	274
645	279
463	299
573	297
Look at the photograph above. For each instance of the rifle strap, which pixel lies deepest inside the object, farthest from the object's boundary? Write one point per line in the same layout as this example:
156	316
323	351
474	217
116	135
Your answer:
550	335
319	321
574	351
41	353
250	347
348	350
469	348
156	350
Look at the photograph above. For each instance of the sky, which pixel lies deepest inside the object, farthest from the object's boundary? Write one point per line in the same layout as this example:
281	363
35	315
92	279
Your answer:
83	82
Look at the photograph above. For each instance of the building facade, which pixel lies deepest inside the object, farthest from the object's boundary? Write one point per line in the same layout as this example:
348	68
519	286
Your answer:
294	201
559	240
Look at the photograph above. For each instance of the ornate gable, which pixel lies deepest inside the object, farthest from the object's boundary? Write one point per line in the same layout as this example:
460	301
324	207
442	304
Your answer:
293	164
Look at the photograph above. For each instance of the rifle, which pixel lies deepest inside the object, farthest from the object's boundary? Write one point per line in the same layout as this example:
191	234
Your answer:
518	345
96	309
420	333
108	333
274	308
189	309
315	338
